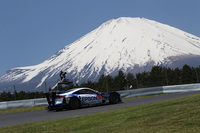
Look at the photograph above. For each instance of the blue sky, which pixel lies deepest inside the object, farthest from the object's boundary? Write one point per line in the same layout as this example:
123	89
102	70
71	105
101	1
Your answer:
33	30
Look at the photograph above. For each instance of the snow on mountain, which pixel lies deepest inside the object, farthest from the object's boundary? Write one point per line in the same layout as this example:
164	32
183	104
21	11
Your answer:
128	44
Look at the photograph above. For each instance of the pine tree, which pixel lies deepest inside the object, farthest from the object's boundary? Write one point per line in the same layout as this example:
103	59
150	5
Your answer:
101	84
157	76
143	79
186	74
109	83
130	81
120	81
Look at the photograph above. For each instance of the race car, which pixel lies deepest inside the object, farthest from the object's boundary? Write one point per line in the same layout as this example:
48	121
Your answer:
80	97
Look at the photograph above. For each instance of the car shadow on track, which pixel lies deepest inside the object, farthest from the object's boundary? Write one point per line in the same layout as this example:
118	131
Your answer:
84	107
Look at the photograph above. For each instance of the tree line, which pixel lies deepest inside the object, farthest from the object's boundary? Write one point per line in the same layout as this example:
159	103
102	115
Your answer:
158	76
8	96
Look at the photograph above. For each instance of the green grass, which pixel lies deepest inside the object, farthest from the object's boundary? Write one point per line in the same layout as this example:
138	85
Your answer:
181	115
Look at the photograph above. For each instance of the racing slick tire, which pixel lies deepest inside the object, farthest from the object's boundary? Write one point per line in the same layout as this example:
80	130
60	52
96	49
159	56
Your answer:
113	98
74	103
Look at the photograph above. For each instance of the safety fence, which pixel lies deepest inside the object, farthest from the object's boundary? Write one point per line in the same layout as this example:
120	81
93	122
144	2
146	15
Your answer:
124	94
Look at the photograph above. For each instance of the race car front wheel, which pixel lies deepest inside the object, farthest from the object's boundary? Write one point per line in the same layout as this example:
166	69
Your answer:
113	98
74	103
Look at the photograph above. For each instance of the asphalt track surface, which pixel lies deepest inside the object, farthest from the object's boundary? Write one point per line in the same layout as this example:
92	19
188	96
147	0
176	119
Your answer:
44	115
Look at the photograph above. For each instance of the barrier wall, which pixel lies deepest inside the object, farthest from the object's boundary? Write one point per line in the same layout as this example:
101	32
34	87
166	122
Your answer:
141	92
124	94
23	103
181	88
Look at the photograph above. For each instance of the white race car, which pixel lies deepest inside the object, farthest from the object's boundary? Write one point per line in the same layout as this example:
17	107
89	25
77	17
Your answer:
79	97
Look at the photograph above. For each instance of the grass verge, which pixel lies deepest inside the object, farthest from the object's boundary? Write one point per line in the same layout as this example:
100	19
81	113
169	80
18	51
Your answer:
177	115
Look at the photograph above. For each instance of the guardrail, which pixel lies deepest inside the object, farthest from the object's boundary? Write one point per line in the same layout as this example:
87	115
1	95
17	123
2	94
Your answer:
124	94
141	92
181	88
23	103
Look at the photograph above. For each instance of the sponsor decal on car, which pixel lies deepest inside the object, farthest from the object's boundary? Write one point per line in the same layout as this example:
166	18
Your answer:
89	98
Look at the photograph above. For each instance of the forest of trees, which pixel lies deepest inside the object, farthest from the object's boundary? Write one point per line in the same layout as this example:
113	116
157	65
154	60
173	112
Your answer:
8	96
158	76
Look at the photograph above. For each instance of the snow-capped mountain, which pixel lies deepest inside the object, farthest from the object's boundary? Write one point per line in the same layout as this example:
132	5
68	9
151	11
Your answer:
128	44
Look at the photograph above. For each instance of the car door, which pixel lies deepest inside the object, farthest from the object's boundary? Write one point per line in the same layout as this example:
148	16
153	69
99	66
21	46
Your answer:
88	97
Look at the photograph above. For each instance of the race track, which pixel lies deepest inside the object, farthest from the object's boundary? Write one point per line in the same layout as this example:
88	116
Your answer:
43	115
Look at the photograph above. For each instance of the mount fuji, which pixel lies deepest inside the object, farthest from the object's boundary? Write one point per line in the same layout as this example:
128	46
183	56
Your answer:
128	44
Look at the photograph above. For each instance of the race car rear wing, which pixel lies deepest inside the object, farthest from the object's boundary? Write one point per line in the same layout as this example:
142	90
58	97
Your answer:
62	82
51	96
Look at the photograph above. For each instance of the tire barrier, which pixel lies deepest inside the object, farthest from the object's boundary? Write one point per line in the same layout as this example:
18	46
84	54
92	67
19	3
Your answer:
124	94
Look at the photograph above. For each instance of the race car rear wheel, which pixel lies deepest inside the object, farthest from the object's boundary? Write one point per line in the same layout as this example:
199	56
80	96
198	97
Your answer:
74	103
113	98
